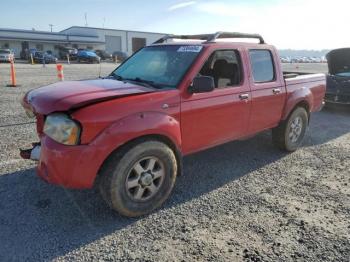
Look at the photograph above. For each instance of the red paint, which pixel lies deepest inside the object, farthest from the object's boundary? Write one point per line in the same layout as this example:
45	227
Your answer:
113	113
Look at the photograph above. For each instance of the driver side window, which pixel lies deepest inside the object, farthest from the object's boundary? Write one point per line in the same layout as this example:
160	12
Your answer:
225	67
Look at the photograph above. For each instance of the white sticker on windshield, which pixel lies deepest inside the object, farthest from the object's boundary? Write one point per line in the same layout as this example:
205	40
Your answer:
190	48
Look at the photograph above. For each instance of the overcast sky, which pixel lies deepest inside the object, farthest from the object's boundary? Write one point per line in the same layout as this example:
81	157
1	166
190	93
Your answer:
298	24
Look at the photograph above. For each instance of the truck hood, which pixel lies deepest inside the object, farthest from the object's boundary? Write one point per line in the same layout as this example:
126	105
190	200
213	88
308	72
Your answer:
63	96
338	61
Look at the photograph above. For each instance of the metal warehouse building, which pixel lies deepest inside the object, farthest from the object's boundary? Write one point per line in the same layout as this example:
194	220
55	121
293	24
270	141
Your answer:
76	36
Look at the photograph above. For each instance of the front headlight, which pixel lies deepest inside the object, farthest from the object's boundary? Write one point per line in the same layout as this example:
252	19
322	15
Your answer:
62	129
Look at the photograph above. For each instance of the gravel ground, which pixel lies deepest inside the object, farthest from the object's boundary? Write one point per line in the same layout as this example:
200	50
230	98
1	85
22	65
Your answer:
243	201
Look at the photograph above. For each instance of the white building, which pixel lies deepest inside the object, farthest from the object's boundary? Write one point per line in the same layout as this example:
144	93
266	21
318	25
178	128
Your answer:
116	40
76	36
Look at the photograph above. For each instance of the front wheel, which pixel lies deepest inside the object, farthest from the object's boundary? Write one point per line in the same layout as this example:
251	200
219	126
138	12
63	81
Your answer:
138	178
290	133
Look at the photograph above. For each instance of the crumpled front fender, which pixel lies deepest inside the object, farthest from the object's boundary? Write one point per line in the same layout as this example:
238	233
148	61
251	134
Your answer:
133	127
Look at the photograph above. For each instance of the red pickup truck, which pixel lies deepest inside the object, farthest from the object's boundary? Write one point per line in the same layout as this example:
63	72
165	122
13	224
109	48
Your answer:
128	132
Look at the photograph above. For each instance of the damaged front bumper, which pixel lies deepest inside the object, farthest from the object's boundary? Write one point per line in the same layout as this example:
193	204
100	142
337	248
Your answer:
69	166
338	99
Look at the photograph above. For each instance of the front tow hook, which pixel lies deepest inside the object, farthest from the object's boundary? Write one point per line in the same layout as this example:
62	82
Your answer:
33	153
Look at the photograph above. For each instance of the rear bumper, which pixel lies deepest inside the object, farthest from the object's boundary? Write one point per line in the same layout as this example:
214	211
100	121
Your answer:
67	166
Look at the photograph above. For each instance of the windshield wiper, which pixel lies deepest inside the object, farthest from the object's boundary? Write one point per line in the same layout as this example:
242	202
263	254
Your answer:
119	78
148	83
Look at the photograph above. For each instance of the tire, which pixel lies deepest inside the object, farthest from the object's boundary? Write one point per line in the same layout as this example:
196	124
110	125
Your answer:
290	133
124	180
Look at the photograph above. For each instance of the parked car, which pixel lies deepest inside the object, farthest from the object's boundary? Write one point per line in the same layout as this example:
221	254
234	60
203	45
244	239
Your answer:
103	54
88	56
285	60
338	79
119	56
25	54
127	133
6	55
64	51
41	57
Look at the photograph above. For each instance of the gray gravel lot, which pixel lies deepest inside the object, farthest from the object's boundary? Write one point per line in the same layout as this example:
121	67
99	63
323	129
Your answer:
243	201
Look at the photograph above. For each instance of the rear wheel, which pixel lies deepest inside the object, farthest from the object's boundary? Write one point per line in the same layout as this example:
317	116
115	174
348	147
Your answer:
139	178
290	133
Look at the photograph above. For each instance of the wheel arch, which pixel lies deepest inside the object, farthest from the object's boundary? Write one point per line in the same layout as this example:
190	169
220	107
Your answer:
299	98
149	137
304	104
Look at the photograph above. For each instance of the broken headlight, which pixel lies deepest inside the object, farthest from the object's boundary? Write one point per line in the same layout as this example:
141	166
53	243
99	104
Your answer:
30	113
62	129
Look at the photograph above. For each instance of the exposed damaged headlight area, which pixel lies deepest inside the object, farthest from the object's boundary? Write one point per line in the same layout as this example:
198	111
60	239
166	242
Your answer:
29	113
61	128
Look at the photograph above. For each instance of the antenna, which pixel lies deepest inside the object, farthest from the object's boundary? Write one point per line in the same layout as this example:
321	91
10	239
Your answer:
86	23
51	25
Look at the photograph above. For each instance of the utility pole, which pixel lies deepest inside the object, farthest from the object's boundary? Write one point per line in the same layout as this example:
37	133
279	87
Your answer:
86	23
51	25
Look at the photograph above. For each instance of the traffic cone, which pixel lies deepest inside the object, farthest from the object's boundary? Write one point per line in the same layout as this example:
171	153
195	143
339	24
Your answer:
13	74
60	75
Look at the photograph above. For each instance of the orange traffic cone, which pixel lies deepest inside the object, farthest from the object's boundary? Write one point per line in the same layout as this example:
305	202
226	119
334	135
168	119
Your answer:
60	75
13	74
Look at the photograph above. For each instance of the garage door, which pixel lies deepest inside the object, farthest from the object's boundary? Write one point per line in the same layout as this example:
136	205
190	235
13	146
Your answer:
113	43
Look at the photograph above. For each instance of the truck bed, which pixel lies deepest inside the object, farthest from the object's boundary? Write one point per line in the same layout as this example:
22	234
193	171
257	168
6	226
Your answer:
300	81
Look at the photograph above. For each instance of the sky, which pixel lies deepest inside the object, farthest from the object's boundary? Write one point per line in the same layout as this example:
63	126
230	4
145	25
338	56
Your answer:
298	24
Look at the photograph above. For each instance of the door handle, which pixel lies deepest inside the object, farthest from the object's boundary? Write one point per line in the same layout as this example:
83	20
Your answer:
276	90
243	96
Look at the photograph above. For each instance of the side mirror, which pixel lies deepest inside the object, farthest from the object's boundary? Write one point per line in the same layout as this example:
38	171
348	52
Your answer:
202	84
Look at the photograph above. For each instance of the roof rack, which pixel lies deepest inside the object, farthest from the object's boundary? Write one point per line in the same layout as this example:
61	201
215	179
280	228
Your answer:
210	38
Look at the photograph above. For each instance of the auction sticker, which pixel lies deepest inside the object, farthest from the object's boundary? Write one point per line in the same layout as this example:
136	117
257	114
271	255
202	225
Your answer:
190	48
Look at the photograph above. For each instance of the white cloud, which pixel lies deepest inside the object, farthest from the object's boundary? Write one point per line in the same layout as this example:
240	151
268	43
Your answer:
181	5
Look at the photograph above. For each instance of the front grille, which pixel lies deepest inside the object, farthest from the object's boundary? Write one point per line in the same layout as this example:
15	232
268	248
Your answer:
338	98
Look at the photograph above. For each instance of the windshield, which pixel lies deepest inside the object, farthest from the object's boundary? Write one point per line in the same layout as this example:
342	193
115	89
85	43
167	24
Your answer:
5	52
162	66
345	74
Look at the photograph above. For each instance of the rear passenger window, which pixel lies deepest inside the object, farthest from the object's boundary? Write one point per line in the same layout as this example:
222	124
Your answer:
225	67
262	66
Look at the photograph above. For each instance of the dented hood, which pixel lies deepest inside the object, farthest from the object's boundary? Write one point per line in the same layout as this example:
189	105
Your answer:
63	96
